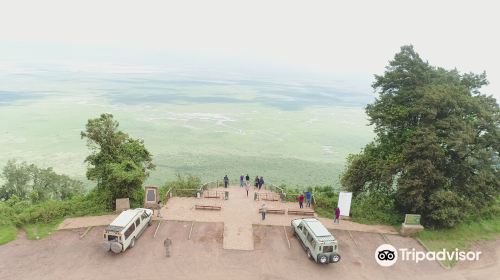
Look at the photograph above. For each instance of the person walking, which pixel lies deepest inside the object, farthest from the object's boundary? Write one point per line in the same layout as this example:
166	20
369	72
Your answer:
159	209
308	199
241	181
301	201
261	182
263	211
337	215
226	181
256	183
247	187
247	178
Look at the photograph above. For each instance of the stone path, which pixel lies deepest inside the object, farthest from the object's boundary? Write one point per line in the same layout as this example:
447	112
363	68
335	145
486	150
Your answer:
238	214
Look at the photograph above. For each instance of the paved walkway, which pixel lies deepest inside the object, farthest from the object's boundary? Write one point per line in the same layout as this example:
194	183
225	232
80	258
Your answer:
238	214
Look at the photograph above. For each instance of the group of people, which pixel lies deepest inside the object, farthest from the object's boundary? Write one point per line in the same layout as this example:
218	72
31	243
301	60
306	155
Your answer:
259	182
245	182
308	198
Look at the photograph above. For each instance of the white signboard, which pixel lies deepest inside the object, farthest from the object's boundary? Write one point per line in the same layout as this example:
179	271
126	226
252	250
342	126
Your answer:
345	203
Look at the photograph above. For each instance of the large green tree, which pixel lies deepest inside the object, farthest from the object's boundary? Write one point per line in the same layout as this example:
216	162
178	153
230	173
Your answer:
437	141
118	163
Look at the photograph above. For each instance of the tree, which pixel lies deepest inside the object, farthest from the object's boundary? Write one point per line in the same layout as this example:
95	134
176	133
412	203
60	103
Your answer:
37	184
118	163
437	141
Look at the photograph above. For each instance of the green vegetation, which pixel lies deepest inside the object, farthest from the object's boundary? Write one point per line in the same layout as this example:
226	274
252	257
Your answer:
437	147
8	229
29	182
483	226
41	230
118	163
37	200
181	186
8	233
375	208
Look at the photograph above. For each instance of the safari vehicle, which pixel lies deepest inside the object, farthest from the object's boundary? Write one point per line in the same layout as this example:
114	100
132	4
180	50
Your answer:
126	228
318	242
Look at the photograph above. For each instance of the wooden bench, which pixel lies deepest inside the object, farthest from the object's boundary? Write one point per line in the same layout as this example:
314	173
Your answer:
274	211
207	207
303	212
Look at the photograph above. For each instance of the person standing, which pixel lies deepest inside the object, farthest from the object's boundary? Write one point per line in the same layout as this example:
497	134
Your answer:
247	178
226	181
337	215
247	187
241	181
159	209
256	183
263	211
167	243
308	199
301	201
261	182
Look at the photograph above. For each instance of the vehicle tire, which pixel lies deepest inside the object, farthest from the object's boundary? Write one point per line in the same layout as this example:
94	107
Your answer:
132	243
335	258
106	246
322	259
116	247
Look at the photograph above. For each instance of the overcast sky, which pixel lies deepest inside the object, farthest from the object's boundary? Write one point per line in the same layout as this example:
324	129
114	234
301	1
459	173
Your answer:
351	38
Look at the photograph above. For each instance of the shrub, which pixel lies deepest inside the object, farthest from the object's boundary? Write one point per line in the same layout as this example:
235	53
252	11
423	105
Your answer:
446	209
374	208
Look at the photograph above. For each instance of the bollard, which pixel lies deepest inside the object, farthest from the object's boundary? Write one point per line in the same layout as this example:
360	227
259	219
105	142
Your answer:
167	244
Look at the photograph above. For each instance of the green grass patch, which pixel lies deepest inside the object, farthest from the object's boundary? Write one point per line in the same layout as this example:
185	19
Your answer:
324	213
41	230
462	237
8	233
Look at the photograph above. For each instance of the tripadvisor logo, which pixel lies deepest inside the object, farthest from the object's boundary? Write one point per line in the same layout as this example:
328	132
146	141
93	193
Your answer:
387	255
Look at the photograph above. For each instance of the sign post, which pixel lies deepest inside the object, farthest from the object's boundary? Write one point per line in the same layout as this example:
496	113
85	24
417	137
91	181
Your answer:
344	203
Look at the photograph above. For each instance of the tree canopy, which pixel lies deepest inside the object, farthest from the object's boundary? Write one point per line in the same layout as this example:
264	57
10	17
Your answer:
118	163
36	184
437	142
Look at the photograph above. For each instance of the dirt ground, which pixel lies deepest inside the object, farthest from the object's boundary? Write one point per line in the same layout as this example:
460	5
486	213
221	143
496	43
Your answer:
64	255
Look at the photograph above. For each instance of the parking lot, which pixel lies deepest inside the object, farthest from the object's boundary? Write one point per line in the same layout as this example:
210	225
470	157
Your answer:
64	255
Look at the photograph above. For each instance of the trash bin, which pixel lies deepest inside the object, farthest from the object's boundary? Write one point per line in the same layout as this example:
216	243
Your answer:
226	195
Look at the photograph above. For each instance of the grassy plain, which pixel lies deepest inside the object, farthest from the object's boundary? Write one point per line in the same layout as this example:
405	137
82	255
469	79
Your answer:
297	134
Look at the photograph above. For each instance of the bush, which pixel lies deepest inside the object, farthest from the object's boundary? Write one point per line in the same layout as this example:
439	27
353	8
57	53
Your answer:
182	186
375	208
446	209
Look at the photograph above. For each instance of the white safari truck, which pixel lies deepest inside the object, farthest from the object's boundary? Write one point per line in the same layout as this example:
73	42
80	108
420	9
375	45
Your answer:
318	242
126	228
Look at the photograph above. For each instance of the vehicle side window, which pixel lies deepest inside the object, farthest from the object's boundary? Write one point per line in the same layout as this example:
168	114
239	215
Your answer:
137	222
129	231
144	216
313	243
309	238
